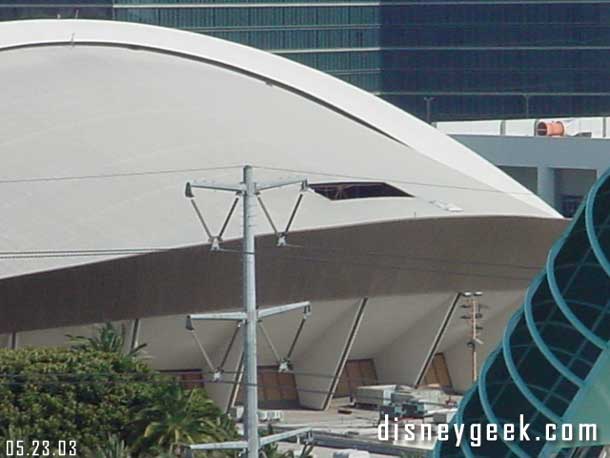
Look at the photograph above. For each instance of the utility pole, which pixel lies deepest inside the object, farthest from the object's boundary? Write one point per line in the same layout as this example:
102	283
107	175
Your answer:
473	316
250	192
473	343
249	297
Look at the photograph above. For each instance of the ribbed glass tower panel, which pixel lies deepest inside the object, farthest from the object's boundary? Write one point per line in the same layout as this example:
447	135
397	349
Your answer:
339	37
11	10
553	364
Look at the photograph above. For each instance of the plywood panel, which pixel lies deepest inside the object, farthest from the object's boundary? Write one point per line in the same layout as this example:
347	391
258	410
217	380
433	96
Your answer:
357	372
438	372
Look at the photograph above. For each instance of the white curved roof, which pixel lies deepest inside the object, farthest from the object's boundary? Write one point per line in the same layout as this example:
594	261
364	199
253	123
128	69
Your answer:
101	124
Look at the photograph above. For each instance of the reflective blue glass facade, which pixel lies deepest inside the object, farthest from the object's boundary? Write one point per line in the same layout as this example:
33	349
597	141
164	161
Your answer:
439	59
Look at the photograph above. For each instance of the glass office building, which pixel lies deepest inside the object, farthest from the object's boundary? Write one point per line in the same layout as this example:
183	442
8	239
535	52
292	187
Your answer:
35	9
439	59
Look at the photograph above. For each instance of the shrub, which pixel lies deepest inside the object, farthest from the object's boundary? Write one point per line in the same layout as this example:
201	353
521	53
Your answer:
87	395
67	394
178	416
107	338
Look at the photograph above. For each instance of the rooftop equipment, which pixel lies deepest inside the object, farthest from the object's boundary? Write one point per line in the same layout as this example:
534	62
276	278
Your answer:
550	129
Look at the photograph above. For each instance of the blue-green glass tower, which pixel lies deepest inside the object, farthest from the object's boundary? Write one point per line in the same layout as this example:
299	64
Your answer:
438	59
553	364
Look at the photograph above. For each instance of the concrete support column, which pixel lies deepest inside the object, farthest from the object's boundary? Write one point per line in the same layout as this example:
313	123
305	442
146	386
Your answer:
318	370
134	340
546	185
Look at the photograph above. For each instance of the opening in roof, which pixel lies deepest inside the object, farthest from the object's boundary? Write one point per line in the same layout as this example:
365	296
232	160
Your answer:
357	190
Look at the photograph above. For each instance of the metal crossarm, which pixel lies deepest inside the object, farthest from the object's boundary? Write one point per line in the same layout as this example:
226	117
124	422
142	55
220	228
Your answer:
266	440
220	316
279	184
231	445
270	439
212	185
270	311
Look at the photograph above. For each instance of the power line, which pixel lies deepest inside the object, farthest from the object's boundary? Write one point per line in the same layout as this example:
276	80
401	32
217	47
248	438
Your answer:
34	254
162	373
167	4
201	169
113	175
393	180
410	258
159	381
70	254
17	256
382	266
162	382
27	254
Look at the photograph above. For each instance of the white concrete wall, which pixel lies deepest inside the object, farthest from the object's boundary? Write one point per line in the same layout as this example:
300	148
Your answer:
323	359
401	360
565	165
5	340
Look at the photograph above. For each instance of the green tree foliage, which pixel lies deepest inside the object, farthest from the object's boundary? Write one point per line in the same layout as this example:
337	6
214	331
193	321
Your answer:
113	448
67	394
116	448
107	338
178	416
93	391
